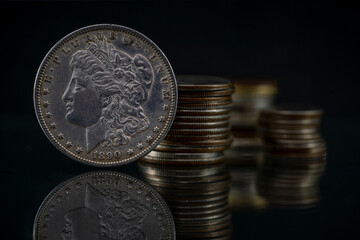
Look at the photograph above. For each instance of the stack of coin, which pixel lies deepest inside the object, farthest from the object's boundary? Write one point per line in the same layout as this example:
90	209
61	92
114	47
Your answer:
249	99
201	129
197	197
295	155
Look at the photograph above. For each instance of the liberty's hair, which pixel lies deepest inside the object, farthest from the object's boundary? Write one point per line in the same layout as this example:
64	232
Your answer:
121	217
123	87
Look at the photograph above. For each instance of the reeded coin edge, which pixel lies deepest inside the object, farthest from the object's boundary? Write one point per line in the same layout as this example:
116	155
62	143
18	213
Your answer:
51	54
40	213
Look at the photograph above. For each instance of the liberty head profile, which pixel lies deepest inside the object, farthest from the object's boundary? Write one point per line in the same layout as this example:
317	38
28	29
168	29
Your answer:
105	94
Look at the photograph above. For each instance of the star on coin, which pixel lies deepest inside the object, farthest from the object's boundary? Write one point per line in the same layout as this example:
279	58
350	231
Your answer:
139	191
130	151
48	114
60	136
129	185
53	125
67	191
140	145
163	228
156	129
68	144
79	150
161	119
59	198
46	104
52	208
78	185
45	91
165	107
149	138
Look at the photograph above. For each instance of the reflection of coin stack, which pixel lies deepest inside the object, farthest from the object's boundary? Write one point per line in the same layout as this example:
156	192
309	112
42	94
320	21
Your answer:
295	156
200	131
197	197
243	190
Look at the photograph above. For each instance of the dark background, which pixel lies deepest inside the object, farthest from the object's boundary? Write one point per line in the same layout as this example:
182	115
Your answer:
311	48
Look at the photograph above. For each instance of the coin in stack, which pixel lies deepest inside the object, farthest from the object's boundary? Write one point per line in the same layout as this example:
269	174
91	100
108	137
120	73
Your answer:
192	125
104	205
105	95
179	137
197	197
202	119
159	157
200	83
207	112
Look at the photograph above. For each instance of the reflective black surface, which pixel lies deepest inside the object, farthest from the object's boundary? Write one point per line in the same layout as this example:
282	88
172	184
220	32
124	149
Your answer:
32	168
311	48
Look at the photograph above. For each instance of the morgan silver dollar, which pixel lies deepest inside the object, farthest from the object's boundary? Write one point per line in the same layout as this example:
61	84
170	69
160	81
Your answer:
104	205
105	95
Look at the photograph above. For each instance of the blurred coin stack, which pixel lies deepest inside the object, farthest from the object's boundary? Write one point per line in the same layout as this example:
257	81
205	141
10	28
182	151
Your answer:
197	197
201	130
249	99
295	155
245	154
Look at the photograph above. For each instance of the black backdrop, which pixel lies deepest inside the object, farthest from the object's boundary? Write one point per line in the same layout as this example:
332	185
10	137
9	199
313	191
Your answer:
310	48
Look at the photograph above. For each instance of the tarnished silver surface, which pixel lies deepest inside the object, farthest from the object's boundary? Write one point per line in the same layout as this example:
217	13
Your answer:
105	95
104	205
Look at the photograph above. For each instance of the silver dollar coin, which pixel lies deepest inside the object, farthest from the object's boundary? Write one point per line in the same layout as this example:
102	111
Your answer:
104	205
105	95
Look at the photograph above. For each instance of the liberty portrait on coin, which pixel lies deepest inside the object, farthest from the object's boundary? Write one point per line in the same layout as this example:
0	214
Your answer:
105	93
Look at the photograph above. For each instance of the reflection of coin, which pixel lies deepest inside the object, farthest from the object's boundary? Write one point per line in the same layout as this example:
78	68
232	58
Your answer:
105	95
103	205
